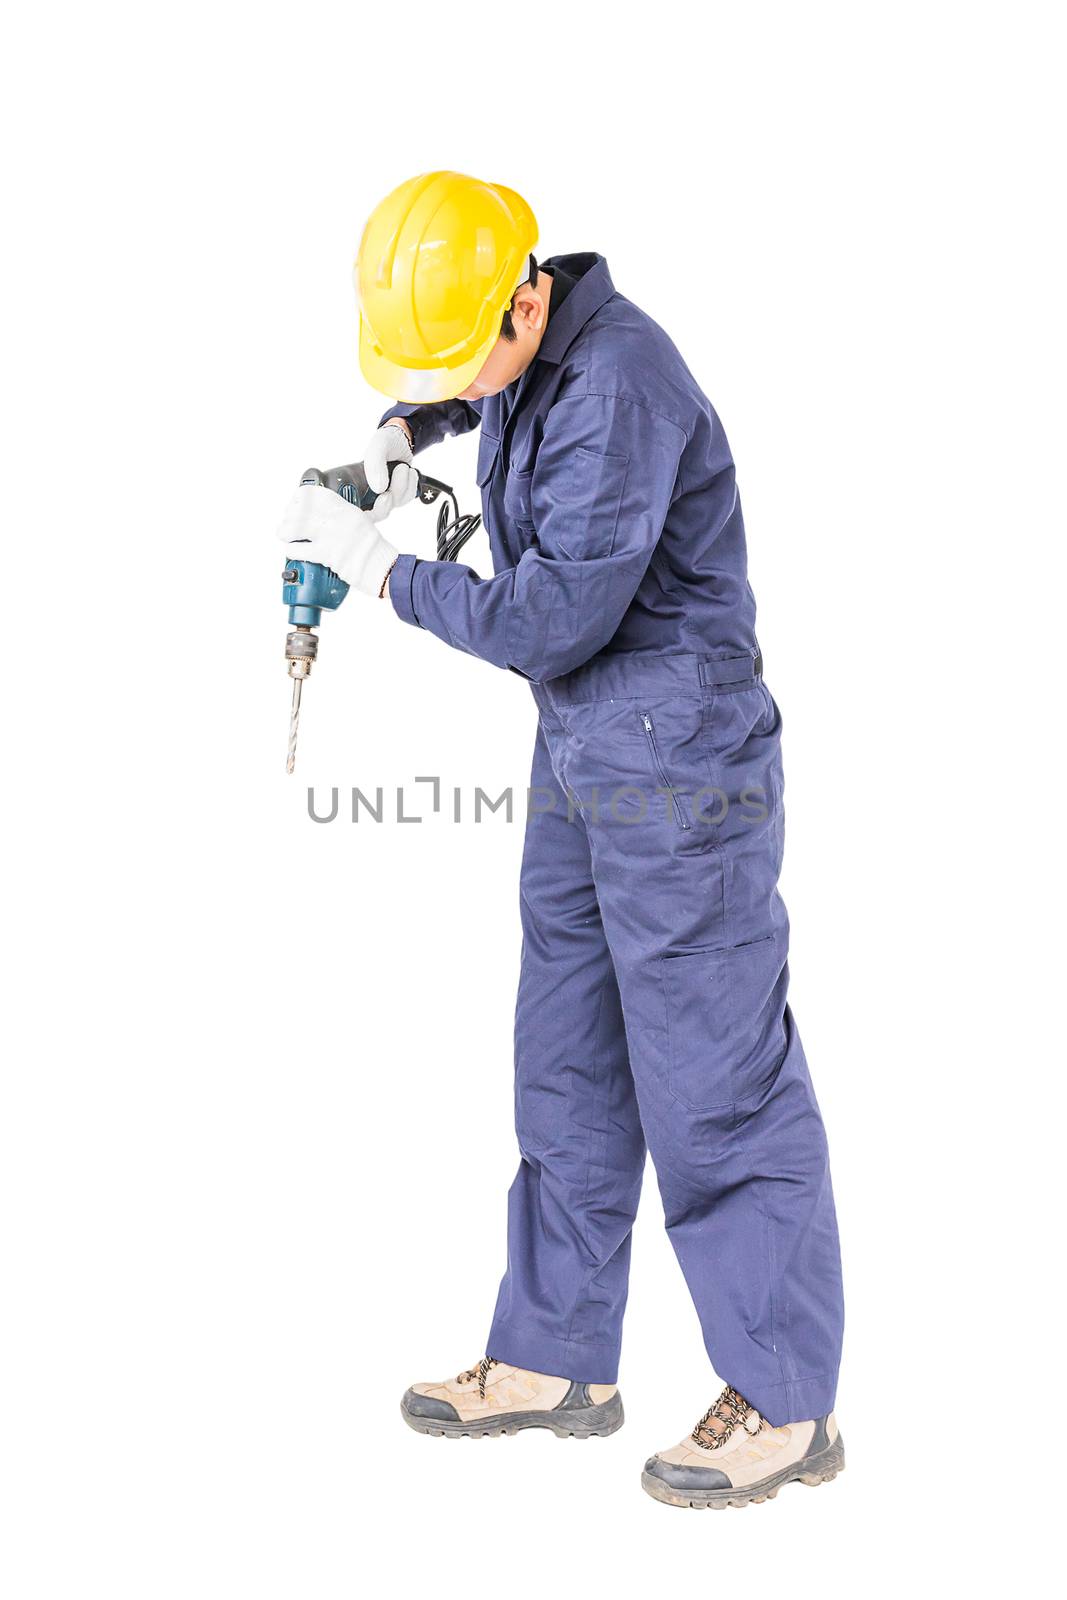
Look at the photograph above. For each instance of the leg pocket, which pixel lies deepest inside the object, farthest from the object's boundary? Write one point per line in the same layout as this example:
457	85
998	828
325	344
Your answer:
725	1022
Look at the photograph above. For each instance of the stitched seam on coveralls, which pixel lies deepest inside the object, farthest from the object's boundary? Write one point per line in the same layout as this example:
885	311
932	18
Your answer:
688	626
772	1267
560	778
587	1280
666	572
795	1383
753	1180
742	1146
631	400
750	1166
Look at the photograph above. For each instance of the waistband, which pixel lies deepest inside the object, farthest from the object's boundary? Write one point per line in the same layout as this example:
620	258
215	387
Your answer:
625	673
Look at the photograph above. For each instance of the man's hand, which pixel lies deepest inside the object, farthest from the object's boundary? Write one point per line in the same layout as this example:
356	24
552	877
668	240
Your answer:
387	462
321	526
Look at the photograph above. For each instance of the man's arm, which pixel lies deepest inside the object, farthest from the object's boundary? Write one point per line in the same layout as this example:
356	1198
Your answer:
428	425
594	505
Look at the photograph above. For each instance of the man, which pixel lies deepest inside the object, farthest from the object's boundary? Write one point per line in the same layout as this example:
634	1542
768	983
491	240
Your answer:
652	999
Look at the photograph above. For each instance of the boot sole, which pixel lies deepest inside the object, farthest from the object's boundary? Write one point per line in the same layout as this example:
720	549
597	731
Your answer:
588	1422
812	1470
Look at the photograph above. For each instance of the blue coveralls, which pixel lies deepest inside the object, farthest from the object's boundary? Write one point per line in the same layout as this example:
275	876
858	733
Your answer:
652	998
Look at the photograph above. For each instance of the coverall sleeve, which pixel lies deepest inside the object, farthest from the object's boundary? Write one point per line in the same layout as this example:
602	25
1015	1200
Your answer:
592	510
432	423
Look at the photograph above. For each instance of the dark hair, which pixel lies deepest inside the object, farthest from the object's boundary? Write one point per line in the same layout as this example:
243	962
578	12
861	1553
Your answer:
507	327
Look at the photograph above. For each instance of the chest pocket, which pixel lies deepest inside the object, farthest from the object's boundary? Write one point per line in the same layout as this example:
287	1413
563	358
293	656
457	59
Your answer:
488	450
584	500
518	498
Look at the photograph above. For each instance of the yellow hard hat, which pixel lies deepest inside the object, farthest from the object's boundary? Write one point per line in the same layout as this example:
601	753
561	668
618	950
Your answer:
438	263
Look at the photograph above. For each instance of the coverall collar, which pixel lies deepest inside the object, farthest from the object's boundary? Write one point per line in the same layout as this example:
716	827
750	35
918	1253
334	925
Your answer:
593	287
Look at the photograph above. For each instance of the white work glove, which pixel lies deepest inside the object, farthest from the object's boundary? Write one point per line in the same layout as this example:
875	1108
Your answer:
387	461
339	535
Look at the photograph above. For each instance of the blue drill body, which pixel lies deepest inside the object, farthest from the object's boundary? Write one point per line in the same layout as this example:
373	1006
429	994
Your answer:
311	589
308	590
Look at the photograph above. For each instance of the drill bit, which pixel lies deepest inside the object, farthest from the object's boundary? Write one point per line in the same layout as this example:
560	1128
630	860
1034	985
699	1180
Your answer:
294	724
301	648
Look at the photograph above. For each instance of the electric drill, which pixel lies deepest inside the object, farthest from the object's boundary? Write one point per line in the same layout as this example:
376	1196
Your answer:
309	589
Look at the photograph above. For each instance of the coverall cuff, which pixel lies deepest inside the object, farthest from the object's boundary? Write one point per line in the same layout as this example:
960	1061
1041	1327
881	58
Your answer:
400	589
797	1401
556	1358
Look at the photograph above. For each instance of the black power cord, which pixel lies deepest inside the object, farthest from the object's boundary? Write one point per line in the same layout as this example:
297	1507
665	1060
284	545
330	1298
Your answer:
453	530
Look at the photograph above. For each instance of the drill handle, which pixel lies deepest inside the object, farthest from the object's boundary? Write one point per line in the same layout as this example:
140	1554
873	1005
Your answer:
349	482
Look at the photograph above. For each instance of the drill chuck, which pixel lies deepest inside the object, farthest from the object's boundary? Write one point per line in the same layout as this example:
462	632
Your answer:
301	649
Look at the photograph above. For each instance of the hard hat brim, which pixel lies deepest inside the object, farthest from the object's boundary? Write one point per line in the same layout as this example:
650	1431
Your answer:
418	385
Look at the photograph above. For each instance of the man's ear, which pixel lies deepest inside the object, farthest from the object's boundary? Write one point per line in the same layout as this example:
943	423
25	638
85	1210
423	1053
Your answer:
528	307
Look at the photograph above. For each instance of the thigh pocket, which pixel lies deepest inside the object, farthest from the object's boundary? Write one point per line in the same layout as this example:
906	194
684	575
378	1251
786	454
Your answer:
725	1022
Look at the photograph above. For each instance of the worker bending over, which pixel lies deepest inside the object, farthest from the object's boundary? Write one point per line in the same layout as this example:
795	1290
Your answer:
652	1006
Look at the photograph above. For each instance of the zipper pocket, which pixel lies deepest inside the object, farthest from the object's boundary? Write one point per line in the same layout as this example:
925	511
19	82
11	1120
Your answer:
675	797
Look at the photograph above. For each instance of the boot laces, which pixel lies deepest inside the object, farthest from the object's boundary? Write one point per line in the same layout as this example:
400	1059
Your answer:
481	1372
732	1411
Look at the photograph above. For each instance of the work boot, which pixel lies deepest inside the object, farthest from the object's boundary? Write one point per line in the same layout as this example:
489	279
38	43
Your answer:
493	1398
734	1456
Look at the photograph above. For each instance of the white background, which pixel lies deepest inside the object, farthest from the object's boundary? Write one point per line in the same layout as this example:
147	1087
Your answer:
256	1131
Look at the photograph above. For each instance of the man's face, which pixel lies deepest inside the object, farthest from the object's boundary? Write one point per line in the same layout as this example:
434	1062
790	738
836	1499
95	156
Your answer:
509	358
